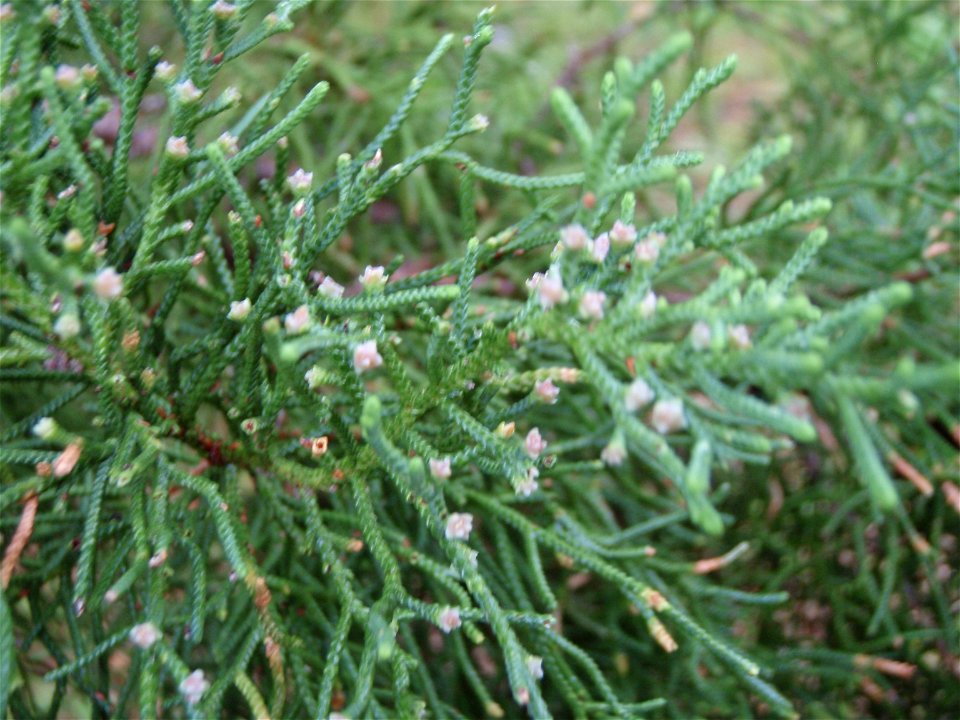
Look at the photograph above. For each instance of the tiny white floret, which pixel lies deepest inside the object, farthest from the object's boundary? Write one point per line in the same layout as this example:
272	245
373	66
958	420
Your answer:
300	181
546	391
591	304
239	309
700	335
449	619
223	10
667	416
73	241
108	284
231	96
479	122
297	321
67	77
614	453
177	148
534	443
440	468
623	233
44	428
575	237
528	486
144	635
535	666
647	250
459	526
373	276
67	326
637	395
648	305
366	357
330	288
194	686
187	92
740	336
549	288
600	248
228	143
166	71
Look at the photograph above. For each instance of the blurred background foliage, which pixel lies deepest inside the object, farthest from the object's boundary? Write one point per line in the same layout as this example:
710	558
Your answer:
869	93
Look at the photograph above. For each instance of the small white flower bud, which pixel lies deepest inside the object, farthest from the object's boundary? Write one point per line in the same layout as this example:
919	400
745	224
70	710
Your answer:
667	416
330	288
740	336
575	237
546	391
67	326
73	241
239	309
638	395
193	687
297	321
622	233
534	443
223	10
108	284
228	143
648	305
166	71
144	635
52	14
231	96
647	251
549	288
177	148
478	123
366	357
374	162
535	666
373	276
449	619
45	428
600	248
315	377
187	92
700	335
528	485
67	77
300	181
316	446
614	453
440	468
459	526
591	304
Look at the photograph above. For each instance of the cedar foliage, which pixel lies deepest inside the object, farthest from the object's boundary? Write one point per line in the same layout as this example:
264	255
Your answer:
427	493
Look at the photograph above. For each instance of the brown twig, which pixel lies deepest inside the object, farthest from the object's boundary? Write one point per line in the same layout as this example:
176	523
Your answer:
19	540
916	478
